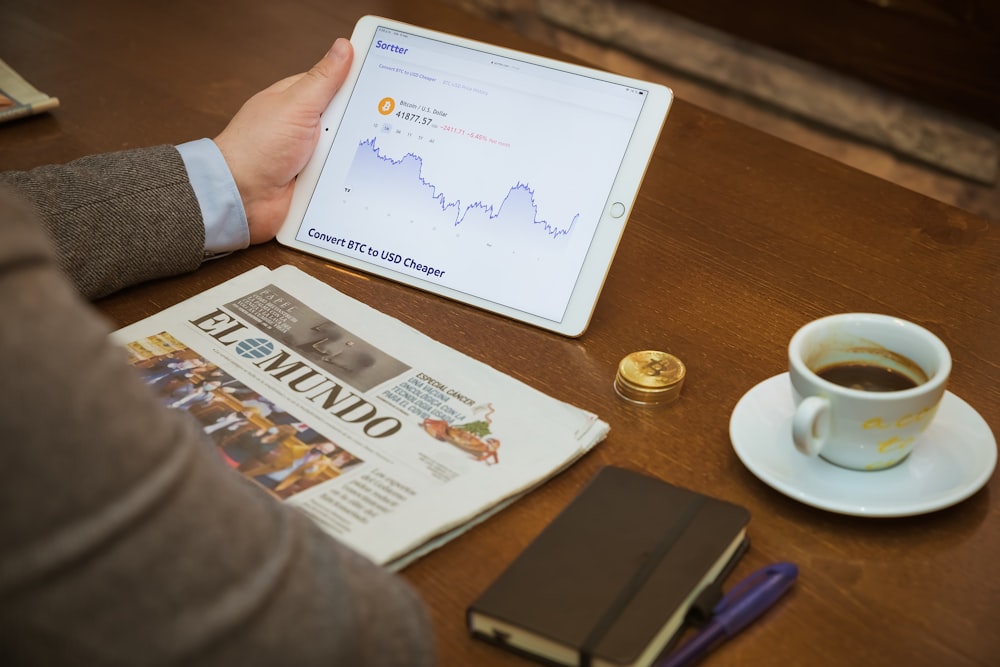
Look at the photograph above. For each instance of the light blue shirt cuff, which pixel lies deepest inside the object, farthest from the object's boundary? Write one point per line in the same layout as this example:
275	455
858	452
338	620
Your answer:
226	227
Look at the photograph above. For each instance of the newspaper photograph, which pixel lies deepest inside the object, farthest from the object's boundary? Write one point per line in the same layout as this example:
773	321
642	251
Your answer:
392	442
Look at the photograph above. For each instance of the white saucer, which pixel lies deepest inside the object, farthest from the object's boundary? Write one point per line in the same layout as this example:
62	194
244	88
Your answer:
953	459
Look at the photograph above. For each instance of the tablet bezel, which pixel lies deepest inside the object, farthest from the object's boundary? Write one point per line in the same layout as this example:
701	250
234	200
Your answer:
609	229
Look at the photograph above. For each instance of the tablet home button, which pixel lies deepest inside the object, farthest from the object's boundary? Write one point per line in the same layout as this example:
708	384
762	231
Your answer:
617	209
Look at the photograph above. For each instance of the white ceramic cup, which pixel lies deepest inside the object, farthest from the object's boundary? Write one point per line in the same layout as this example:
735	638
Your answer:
858	428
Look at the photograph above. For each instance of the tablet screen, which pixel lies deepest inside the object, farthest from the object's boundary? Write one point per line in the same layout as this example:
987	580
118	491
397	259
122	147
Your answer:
483	173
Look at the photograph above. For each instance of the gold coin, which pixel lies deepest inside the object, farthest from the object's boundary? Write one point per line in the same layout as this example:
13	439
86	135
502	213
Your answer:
650	377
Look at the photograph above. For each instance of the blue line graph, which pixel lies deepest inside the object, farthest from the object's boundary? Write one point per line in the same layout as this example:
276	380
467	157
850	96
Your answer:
403	179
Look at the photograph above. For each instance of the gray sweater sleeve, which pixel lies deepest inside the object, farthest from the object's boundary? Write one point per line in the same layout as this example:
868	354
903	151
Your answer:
124	540
117	219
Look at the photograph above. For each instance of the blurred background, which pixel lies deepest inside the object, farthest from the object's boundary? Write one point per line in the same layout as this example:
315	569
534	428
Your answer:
907	90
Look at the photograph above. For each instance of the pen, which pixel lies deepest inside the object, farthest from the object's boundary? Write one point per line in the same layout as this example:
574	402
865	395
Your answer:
738	608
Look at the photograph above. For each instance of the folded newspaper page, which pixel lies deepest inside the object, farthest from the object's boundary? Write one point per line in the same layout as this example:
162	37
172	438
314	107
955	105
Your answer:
18	98
392	442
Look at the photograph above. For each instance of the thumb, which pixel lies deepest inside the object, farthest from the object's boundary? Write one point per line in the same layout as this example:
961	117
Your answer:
318	86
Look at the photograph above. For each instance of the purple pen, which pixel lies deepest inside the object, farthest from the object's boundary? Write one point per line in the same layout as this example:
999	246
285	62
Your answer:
738	608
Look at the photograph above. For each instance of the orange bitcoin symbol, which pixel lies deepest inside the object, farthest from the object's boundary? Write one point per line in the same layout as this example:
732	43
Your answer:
386	105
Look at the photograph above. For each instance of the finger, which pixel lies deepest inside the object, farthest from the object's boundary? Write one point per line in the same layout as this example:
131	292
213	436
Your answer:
285	84
318	86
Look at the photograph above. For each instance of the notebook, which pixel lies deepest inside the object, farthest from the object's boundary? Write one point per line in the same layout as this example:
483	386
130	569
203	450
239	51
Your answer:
611	579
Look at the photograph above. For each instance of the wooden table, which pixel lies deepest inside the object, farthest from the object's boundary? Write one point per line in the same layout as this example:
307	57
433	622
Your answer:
736	240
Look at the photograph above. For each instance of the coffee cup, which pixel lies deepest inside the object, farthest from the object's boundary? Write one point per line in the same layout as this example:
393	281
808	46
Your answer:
865	387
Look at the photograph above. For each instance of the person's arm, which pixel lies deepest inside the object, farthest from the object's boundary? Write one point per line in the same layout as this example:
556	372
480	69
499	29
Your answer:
126	541
117	219
122	218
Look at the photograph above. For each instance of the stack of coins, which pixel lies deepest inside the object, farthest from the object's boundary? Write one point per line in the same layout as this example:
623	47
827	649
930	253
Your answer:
650	378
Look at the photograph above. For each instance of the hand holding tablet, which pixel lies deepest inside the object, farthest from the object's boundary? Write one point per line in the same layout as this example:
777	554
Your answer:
493	177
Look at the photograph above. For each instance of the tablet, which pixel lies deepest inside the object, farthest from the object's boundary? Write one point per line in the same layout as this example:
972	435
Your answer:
485	175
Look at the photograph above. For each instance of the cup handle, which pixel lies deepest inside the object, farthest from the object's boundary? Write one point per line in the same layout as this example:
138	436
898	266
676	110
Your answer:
811	425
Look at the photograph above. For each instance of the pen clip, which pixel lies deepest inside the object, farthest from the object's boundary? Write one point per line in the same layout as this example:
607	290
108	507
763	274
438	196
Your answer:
754	594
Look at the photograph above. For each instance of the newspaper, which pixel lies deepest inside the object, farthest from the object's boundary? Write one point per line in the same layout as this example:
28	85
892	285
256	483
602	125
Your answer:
18	98
392	442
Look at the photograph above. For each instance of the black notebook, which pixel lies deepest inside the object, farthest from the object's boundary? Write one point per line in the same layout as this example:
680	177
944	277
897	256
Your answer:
611	579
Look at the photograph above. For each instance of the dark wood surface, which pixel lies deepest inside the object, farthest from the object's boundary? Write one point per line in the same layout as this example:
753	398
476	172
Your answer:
945	53
736	240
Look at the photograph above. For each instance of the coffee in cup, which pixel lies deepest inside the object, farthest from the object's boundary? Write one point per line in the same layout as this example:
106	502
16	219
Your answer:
865	387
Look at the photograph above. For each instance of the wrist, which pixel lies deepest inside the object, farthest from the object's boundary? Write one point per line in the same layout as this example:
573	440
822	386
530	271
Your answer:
218	197
264	205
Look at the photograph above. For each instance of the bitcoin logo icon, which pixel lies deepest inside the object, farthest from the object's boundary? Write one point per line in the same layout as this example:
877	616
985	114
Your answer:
386	105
